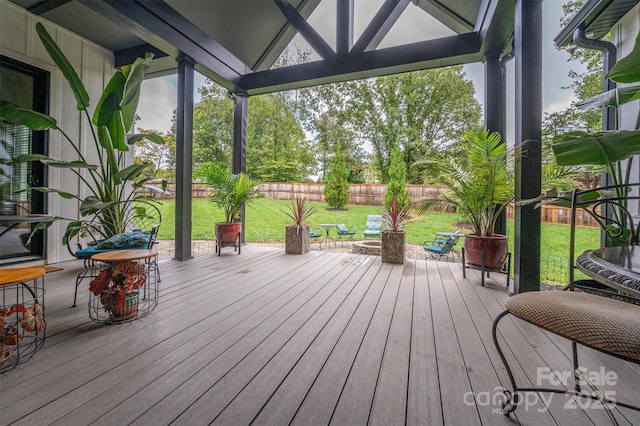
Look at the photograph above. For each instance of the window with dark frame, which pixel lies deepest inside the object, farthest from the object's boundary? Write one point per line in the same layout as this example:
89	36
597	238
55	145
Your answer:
24	86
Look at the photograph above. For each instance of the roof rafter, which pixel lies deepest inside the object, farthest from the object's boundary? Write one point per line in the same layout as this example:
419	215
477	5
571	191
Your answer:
439	52
159	25
446	15
344	27
312	37
380	25
47	6
128	56
284	36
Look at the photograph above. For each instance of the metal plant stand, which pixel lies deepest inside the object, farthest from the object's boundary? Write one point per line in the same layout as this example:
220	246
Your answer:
125	286
22	323
505	269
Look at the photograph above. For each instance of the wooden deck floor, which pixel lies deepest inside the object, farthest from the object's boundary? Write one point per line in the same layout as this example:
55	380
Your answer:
324	338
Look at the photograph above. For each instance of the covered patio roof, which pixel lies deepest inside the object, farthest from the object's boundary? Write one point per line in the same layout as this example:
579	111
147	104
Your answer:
235	43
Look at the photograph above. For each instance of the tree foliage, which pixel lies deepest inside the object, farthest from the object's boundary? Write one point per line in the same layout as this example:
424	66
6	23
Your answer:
331	120
161	158
213	126
336	189
397	186
277	148
585	85
421	112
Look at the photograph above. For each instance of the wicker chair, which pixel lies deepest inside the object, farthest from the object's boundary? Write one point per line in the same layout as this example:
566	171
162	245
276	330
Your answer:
137	227
602	319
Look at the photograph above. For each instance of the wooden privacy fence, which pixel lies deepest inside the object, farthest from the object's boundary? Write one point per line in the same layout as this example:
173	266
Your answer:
371	195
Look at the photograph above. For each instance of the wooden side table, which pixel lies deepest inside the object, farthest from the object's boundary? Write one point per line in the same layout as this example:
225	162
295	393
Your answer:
125	286
22	323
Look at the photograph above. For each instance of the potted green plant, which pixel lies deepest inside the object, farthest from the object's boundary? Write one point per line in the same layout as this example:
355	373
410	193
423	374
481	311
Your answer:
297	236
230	193
110	181
479	189
393	237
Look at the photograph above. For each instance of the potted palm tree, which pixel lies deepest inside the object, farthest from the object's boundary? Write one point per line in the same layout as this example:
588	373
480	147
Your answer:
393	237
297	236
480	190
230	193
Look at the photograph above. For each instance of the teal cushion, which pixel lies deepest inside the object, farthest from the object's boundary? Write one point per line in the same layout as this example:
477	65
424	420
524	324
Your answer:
136	239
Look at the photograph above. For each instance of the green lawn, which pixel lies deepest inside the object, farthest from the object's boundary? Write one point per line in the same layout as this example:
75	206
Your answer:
266	222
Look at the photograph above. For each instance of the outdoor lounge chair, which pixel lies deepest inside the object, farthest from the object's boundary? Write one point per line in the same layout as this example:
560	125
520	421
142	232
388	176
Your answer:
140	222
441	247
373	229
344	232
315	236
608	322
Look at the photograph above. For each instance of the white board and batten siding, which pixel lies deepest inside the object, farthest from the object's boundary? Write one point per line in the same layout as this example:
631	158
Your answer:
623	35
95	66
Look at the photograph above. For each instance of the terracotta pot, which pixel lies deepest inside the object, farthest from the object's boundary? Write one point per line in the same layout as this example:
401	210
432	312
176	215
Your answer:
228	232
297	239
127	311
495	250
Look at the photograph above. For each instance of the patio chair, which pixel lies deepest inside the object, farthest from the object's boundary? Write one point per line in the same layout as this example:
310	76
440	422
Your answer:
345	233
373	229
441	247
139	225
608	323
315	237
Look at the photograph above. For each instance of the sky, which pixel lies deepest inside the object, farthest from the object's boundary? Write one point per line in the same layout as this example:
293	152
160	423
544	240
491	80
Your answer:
158	97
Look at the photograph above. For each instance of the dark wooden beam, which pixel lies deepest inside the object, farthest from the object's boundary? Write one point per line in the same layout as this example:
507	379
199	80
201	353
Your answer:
47	6
445	51
344	27
128	56
439	10
184	155
283	38
495	26
528	134
380	25
312	37
159	25
494	104
239	153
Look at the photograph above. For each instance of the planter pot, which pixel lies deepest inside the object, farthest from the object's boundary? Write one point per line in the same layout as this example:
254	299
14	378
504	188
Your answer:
128	311
495	250
393	247
297	239
228	233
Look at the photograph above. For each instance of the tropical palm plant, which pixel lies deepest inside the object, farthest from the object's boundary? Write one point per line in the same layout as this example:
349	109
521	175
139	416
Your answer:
109	181
229	192
479	189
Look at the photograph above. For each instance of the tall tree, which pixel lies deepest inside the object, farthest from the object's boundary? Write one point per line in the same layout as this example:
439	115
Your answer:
397	186
277	148
329	118
336	189
213	126
421	112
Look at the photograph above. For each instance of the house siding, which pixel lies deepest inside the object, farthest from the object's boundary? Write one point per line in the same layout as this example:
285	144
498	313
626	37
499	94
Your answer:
623	35
95	65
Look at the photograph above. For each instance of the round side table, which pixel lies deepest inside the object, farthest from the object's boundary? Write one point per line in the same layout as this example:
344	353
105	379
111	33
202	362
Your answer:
125	286
22	323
